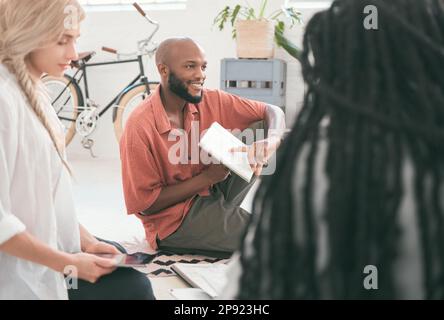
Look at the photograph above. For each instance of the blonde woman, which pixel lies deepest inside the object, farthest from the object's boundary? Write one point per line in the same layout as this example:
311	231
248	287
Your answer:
40	237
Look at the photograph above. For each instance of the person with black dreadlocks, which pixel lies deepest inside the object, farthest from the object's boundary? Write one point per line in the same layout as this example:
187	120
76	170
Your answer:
360	178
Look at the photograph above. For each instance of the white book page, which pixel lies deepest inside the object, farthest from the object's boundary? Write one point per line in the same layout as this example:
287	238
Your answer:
211	278
218	141
216	277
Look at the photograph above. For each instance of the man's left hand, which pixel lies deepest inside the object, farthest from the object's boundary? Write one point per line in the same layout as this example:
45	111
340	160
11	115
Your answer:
259	153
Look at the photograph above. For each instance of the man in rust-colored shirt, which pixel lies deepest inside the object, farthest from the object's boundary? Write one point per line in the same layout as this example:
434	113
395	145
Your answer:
185	204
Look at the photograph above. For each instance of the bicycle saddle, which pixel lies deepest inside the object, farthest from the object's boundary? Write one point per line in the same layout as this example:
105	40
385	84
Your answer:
84	57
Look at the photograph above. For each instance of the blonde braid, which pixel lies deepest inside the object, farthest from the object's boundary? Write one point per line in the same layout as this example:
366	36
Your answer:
28	86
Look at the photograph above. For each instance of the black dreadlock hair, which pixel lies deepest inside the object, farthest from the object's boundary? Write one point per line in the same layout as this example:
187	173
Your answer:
383	93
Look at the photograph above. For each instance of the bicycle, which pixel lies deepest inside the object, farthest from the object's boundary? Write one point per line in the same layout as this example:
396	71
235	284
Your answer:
79	113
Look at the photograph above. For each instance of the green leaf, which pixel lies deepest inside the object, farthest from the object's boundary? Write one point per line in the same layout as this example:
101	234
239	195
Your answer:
276	14
293	15
222	18
251	14
287	45
235	14
262	9
280	26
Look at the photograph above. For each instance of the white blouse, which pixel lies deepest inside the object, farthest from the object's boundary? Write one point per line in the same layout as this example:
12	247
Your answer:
35	195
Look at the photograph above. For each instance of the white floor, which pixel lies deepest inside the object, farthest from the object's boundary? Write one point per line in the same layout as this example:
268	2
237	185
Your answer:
99	199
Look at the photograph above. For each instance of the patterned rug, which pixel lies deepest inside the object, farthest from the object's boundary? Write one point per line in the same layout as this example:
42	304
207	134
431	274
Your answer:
161	265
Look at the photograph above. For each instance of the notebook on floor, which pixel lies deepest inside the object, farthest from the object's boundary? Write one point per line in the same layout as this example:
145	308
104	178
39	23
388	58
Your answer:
210	278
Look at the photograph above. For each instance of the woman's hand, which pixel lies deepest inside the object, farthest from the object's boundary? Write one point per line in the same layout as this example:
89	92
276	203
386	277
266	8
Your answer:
91	245
101	247
89	267
85	266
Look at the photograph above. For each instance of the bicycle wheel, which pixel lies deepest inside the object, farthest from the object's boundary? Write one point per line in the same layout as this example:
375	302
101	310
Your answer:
127	103
65	102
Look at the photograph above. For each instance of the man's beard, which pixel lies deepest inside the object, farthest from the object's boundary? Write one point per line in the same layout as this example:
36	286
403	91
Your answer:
179	88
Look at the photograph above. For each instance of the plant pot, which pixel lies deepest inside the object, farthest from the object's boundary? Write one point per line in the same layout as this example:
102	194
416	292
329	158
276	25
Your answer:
255	39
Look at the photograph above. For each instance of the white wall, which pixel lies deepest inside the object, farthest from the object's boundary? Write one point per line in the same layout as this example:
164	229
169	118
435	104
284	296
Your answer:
121	30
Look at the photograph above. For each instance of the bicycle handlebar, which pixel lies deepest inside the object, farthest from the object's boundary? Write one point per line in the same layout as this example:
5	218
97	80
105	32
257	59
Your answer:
143	13
110	50
136	5
143	43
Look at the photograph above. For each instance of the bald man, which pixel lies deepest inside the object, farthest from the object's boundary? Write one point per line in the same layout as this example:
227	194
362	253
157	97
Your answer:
190	207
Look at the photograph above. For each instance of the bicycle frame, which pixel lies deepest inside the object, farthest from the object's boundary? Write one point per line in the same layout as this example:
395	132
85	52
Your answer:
141	76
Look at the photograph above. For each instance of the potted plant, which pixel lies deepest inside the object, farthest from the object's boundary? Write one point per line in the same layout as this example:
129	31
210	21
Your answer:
256	32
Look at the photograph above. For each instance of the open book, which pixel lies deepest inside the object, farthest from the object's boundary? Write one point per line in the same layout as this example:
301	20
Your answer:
211	278
218	141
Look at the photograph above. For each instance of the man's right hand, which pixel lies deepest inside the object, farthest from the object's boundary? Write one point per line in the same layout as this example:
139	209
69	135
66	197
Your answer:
171	195
216	173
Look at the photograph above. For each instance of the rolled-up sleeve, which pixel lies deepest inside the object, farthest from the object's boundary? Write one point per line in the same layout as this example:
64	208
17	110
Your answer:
239	113
10	225
141	180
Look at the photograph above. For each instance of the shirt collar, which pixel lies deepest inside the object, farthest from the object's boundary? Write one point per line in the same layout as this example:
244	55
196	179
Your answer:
163	124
